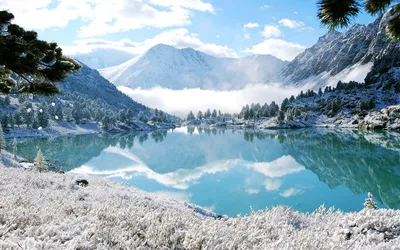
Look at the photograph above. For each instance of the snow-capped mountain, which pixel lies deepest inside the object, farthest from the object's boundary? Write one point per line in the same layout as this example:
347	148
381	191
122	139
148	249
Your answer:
362	52
350	55
173	68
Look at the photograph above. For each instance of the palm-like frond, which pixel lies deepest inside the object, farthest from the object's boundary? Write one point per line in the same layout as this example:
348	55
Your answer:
393	25
377	6
337	13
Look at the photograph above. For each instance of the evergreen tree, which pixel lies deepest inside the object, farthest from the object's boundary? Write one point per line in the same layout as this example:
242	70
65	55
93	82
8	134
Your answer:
59	113
281	116
200	115
284	105
129	115
207	114
12	123
106	123
2	141
40	162
214	113
190	116
371	103
370	203
17	119
319	91
42	118
36	63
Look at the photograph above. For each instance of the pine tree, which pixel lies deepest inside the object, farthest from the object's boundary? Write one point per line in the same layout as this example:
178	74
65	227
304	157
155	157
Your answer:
190	116
281	116
214	113
200	115
284	105
370	203
14	146
12	122
2	141
40	162
207	114
36	63
42	118
17	119
59	113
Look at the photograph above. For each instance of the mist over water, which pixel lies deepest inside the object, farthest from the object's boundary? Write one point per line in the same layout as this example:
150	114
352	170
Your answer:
180	102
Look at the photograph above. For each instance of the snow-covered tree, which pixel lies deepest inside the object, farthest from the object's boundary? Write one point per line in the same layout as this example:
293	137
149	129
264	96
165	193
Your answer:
40	162
200	115
190	116
370	203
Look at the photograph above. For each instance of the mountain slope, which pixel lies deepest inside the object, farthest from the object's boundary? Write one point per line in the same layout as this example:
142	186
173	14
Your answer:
93	86
173	68
346	56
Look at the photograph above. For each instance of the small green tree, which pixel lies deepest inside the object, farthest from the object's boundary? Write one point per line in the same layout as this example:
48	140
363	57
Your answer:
40	162
370	203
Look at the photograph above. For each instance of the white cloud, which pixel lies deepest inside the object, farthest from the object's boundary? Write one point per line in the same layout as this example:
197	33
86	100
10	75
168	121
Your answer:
103	16
180	102
291	192
251	25
190	4
291	24
110	16
179	38
252	191
246	35
271	31
278	48
265	6
271	185
280	167
35	14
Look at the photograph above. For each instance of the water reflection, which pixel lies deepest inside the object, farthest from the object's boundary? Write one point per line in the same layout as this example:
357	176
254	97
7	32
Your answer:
229	171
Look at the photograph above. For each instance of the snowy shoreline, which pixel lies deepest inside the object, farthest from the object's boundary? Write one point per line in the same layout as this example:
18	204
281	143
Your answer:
49	211
384	119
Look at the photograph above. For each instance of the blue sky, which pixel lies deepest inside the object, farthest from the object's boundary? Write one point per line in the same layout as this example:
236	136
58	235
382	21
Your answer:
283	28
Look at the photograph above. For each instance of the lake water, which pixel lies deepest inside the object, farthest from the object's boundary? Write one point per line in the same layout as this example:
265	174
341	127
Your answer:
229	171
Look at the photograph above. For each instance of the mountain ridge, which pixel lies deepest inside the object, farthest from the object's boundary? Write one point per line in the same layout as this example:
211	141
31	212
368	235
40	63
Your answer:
362	52
189	68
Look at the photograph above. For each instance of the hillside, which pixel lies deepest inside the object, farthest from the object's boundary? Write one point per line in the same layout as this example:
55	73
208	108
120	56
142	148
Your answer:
87	103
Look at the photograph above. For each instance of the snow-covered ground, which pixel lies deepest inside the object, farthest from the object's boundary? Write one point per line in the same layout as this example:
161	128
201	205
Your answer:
49	211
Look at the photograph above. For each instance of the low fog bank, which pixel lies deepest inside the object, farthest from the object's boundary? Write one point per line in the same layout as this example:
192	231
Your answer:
180	102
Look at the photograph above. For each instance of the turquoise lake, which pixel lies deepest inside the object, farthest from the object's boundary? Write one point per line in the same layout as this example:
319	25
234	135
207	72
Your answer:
230	171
